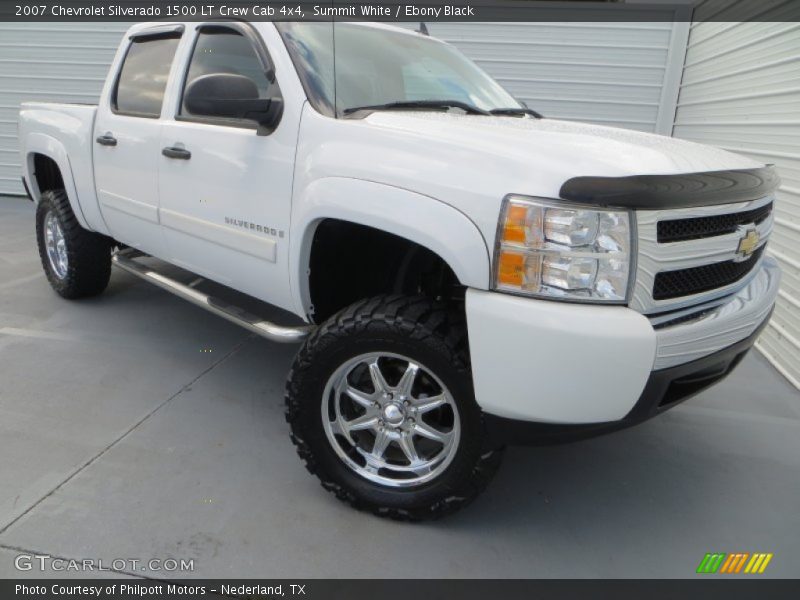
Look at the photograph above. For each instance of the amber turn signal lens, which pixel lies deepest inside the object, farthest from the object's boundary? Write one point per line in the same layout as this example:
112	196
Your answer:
514	226
510	268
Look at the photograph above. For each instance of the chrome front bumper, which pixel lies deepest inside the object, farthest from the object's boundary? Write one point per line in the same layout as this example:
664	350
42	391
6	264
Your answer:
716	325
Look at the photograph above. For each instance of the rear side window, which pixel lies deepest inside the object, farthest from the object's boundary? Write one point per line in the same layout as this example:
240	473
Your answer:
143	78
226	51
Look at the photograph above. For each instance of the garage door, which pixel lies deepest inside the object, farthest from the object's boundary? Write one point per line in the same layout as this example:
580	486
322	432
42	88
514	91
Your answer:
741	91
48	62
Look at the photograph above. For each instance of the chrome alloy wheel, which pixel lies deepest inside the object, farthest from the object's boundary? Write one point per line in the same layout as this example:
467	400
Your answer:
56	245
390	419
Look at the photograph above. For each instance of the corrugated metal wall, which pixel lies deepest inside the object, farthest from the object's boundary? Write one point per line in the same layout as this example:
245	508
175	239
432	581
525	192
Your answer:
621	74
741	91
59	62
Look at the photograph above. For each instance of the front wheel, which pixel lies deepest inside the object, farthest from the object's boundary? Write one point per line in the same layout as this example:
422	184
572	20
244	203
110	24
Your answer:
381	407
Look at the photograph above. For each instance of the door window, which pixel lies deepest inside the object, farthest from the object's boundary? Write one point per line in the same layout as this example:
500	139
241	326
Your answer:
143	77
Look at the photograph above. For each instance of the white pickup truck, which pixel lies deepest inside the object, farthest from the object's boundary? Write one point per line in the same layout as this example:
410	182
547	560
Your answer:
463	273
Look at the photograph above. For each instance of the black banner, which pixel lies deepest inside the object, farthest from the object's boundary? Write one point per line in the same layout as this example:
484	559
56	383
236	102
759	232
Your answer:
426	10
358	589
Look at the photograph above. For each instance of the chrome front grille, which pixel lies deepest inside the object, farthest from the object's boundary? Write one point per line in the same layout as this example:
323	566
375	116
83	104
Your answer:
690	256
695	228
705	278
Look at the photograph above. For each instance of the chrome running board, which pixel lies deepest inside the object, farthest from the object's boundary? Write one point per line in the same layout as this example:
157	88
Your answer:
124	259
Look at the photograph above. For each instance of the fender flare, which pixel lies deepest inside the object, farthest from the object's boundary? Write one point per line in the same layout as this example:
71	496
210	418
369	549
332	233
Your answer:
40	143
444	230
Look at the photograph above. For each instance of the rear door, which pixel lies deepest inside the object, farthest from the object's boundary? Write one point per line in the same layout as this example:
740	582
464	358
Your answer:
225	189
127	139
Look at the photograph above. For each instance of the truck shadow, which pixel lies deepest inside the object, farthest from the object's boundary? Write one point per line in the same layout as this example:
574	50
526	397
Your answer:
661	476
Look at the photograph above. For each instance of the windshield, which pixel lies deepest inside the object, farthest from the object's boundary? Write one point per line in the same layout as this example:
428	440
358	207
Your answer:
376	66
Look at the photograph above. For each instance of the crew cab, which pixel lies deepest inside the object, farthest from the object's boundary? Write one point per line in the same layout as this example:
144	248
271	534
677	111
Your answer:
462	273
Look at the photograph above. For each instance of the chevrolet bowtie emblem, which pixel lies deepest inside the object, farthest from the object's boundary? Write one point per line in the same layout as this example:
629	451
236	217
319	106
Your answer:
748	243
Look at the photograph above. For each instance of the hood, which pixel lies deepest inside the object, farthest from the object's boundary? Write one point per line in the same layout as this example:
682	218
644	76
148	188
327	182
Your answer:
568	148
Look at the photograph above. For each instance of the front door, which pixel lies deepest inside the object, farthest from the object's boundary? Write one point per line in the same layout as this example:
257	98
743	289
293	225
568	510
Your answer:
225	190
127	139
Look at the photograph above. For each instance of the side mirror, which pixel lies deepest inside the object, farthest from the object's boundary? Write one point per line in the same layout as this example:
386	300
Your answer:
232	97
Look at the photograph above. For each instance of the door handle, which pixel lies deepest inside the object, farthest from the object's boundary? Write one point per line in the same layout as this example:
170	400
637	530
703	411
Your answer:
179	153
107	140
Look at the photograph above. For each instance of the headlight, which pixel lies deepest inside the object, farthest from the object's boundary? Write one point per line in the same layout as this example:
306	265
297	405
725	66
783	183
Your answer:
557	250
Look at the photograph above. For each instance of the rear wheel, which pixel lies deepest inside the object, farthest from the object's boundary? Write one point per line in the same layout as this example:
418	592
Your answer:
382	410
77	262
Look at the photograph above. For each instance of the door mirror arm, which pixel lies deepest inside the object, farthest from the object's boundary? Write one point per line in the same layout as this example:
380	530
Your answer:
268	120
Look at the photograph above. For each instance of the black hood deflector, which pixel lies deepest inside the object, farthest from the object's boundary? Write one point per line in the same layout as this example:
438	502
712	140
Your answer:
685	190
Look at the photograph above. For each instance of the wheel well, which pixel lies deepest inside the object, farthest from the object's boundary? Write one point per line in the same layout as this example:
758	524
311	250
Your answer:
350	262
46	173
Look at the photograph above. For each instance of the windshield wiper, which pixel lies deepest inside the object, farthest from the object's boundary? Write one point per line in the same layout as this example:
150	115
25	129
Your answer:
515	112
412	104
